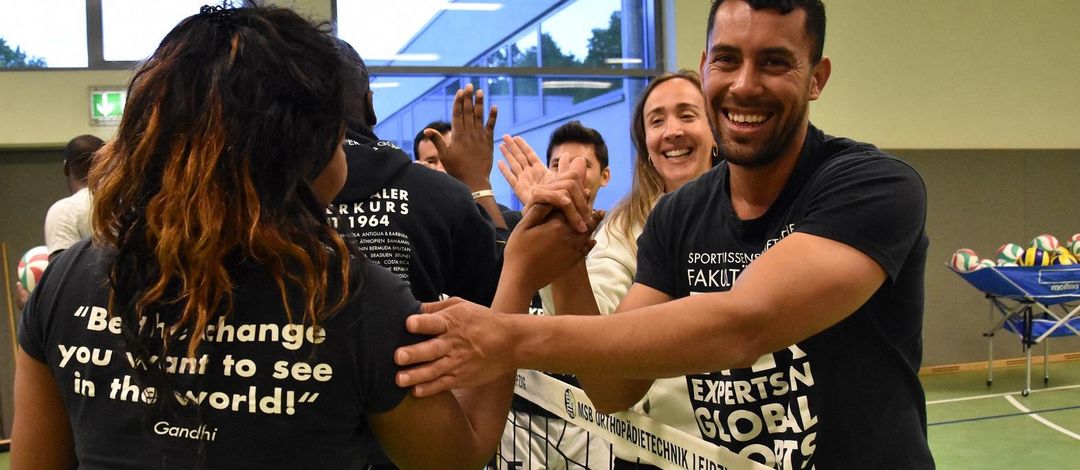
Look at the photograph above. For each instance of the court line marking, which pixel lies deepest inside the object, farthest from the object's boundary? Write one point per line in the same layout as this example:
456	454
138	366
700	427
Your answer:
1006	415
1042	420
996	395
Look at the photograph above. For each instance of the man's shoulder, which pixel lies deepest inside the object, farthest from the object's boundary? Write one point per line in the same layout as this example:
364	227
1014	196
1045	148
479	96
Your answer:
73	200
842	154
70	206
837	146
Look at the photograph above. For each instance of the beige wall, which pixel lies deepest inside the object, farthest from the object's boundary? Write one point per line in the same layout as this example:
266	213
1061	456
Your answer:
953	74
981	199
47	108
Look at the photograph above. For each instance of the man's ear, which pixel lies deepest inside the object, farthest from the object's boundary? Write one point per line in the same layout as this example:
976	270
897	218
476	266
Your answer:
819	77
605	177
369	110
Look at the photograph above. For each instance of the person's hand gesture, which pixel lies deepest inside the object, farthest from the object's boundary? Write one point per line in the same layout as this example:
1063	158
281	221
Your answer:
556	231
544	246
470	153
523	169
469	348
22	296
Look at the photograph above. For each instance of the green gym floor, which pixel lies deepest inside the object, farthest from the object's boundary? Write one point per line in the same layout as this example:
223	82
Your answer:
973	426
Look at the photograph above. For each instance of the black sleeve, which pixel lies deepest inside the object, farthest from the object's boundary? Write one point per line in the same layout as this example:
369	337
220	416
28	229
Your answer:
655	262
385	301
512	218
873	203
31	327
477	257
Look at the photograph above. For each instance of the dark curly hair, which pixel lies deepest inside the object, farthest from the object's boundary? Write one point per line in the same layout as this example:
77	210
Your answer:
225	128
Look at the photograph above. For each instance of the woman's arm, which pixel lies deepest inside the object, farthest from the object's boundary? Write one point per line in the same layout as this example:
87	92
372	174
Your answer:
41	433
461	430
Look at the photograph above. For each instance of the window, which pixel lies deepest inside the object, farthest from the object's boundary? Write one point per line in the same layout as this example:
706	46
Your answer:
97	34
132	29
542	62
43	33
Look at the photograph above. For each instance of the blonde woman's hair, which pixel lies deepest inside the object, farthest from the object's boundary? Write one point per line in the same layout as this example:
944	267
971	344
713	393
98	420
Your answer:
648	185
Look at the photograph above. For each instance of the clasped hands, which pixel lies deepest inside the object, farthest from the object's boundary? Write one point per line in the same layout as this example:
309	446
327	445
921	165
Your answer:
473	345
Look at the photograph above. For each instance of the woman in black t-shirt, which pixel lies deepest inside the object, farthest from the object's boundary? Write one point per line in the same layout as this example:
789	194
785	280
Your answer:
215	320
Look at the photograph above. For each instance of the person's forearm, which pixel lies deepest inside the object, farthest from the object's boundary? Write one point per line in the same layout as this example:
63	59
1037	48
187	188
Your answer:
573	292
697	334
486	405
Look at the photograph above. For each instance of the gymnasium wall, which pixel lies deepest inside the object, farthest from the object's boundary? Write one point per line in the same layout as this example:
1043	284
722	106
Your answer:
931	74
978	95
980	199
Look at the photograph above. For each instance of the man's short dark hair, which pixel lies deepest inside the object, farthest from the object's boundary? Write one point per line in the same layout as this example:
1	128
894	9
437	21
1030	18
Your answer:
815	19
442	126
574	132
79	153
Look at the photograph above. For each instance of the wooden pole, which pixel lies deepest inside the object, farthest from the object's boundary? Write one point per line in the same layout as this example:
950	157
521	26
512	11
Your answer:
10	306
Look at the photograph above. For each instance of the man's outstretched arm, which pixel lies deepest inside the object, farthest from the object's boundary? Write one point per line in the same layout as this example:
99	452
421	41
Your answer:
796	289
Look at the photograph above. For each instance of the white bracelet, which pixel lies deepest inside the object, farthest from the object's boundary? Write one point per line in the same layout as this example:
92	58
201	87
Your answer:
483	193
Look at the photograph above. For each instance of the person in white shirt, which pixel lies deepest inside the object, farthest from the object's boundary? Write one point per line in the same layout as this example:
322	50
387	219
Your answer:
68	220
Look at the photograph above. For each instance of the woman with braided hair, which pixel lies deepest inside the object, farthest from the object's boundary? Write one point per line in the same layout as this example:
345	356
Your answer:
215	320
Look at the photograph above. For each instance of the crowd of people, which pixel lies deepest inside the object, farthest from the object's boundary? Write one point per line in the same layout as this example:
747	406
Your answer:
267	284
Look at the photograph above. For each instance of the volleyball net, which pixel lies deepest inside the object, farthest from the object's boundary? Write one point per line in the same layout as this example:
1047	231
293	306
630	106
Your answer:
578	436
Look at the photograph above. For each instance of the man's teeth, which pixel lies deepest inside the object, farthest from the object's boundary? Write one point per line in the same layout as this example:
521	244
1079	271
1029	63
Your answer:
748	118
676	153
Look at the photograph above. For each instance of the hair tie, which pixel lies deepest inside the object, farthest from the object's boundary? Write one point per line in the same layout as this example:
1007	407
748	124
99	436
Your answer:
217	14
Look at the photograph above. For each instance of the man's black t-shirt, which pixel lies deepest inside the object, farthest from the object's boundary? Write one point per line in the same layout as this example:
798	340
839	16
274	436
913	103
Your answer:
260	392
420	224
849	396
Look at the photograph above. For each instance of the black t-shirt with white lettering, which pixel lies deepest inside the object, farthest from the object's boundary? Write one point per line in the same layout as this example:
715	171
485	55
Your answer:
260	392
849	396
420	224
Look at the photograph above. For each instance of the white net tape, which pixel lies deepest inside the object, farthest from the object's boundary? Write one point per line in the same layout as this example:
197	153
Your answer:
630	435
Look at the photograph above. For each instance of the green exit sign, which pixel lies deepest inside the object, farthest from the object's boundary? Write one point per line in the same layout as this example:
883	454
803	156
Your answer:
106	105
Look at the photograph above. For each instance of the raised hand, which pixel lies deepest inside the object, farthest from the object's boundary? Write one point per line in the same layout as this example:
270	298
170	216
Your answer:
523	169
470	348
22	296
470	153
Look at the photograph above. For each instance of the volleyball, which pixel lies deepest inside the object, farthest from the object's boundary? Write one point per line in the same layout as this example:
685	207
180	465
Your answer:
1045	242
986	263
32	265
964	260
1073	244
1035	257
1008	254
1063	256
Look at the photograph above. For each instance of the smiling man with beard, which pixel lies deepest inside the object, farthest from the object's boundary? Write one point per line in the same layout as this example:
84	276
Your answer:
786	283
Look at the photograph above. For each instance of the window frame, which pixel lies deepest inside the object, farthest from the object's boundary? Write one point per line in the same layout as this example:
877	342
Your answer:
96	55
